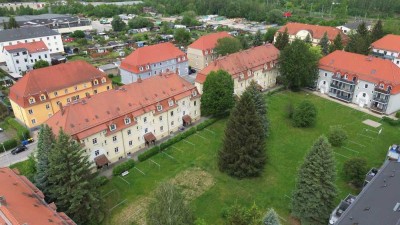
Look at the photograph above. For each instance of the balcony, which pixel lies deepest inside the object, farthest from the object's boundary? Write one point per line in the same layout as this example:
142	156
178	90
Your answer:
343	87
380	110
341	97
381	90
340	79
381	99
382	55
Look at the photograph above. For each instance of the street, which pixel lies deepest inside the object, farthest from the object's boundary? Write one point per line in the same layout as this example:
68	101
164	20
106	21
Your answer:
7	159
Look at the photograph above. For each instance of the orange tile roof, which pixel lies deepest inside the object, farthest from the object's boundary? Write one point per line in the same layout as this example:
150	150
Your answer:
24	203
240	62
151	54
31	47
316	31
390	42
53	78
367	68
208	42
94	114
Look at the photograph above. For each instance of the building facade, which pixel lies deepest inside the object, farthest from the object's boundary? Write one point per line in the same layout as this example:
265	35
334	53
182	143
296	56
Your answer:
201	52
366	81
315	32
152	60
22	56
51	38
41	92
257	64
387	47
21	202
115	124
351	28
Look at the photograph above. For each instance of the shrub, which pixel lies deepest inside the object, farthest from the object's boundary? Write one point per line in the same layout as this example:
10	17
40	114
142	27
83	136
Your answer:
354	170
22	132
110	75
304	115
100	181
337	136
9	144
397	114
123	167
149	153
391	121
206	123
178	138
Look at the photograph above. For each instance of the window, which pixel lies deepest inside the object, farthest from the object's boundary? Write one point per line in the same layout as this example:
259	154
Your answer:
147	67
95	82
194	103
17	61
103	80
381	86
30	111
145	119
95	91
146	130
42	97
127	120
76	88
194	93
364	94
68	100
94	141
130	143
172	113
33	121
55	93
129	132
160	118
40	57
366	86
172	123
84	85
184	113
25	60
115	138
116	149
113	127
183	103
141	68
159	107
326	74
31	100
161	128
45	55
47	106
96	153
66	91
170	103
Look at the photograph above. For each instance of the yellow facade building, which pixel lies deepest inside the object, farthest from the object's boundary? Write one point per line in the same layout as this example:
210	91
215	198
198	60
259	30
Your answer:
42	92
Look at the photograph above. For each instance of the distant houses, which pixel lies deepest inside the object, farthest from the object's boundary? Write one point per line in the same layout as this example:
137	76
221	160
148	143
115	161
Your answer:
387	47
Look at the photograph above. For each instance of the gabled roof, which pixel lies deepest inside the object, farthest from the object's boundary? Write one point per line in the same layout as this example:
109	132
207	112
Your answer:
151	54
24	202
208	41
371	69
316	31
240	62
53	78
26	33
390	42
31	47
354	25
94	114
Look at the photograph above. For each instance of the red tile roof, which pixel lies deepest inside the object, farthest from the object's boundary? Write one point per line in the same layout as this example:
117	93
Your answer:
240	62
53	78
151	54
390	42
208	42
316	31
94	114
24	203
367	68
31	47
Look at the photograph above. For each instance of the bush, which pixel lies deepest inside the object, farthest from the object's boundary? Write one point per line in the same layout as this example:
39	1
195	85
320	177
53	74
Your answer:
22	132
206	123
391	121
110	75
123	167
355	170
304	115
397	114
100	181
149	153
178	138
337	136
9	144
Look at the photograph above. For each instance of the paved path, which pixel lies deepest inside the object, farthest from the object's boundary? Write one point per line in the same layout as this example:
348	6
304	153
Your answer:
7	159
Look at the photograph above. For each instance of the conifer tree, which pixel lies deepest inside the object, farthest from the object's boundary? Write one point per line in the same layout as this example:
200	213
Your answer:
282	40
45	144
377	31
337	44
261	107
315	190
243	153
324	43
271	218
258	39
308	39
71	180
12	23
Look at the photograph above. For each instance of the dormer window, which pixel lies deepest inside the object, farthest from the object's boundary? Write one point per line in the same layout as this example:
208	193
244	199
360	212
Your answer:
249	73
159	108
211	50
127	120
55	93
31	100
179	59
103	80
147	67
194	93
141	68
96	82
345	76
206	52
170	103
66	91
183	58
42	98
389	88
241	76
113	127
381	86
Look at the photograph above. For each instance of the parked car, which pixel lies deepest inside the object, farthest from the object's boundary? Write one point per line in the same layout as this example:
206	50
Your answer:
19	149
29	140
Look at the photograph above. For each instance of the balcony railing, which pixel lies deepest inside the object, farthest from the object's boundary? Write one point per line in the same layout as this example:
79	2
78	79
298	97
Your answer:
343	88
380	99
339	78
383	91
382	55
378	110
340	97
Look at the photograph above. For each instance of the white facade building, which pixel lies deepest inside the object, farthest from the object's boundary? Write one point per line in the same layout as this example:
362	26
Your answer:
22	56
51	38
387	47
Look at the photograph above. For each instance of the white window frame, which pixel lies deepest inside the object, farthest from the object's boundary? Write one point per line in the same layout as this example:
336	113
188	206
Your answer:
113	127
159	108
94	141
127	121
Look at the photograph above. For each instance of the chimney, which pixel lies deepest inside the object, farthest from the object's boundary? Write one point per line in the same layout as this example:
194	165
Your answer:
61	108
3	200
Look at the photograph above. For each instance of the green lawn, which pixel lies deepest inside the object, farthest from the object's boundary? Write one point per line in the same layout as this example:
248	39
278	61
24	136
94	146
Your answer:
286	148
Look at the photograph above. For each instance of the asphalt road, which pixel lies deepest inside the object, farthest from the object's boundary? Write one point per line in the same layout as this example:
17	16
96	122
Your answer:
7	159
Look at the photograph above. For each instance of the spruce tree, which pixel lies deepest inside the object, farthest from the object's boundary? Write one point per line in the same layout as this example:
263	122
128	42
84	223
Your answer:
72	185
377	31
282	40
45	144
324	43
243	153
271	218
315	190
362	29
258	39
337	44
261	107
308	39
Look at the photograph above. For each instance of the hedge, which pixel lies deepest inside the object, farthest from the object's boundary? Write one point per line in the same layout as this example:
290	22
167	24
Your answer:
178	138
9	144
119	169
206	123
22	132
149	153
391	121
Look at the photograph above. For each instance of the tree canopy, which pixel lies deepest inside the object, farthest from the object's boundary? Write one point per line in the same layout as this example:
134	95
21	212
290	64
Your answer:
182	36
40	64
227	45
118	24
324	43
139	22
282	40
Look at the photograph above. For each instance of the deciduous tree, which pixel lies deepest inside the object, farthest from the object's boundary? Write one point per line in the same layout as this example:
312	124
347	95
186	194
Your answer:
227	45
40	64
355	170
118	24
182	36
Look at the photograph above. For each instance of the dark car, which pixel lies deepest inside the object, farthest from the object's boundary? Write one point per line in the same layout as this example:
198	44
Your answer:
19	149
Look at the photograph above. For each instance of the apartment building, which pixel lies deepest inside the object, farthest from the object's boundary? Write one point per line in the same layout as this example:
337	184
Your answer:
51	38
201	52
21	202
366	81
22	56
387	47
316	32
257	64
152	60
40	93
115	124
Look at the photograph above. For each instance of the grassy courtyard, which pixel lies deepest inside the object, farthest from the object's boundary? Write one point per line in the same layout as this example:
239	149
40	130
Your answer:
192	164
